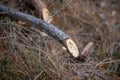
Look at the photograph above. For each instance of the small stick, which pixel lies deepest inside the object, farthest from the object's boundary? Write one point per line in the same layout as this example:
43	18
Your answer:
87	49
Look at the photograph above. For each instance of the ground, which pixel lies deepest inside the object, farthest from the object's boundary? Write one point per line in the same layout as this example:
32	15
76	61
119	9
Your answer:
26	55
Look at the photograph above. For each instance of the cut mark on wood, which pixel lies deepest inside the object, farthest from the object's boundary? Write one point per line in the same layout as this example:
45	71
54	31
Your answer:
72	48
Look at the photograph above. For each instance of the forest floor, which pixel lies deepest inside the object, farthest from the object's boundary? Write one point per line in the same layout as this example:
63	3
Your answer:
26	55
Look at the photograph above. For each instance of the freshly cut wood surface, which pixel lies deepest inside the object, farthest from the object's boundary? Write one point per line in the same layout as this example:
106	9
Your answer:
72	48
42	10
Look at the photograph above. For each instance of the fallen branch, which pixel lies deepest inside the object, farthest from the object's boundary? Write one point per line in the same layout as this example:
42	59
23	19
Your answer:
48	28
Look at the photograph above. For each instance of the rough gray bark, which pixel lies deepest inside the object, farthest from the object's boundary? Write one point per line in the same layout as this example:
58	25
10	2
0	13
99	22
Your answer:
50	29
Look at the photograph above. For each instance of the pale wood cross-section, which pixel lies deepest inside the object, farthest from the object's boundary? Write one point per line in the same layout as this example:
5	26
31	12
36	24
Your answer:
44	13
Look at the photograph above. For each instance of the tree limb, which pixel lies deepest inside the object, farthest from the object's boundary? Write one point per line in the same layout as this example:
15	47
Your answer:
48	28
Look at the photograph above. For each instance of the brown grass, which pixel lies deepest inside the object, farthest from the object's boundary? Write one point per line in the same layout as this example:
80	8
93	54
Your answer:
26	55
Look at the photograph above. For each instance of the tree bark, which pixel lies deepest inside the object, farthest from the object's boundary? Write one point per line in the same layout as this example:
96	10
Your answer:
48	28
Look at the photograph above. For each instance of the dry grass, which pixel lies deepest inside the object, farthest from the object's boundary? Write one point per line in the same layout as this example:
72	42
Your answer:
26	55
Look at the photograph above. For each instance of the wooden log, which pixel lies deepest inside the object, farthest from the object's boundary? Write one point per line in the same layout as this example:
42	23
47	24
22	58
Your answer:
48	28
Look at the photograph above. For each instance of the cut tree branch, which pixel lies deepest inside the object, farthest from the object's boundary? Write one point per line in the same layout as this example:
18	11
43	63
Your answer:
48	28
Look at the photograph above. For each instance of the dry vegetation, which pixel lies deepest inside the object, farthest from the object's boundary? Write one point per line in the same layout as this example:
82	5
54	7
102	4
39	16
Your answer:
26	55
